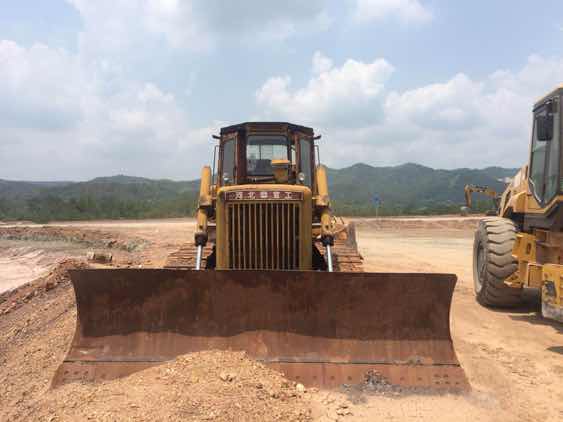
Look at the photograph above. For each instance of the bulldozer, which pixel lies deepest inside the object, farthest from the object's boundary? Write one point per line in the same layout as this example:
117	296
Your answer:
521	247
469	190
270	271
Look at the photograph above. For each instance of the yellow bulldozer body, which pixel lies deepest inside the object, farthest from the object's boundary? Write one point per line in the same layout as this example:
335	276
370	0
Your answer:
266	227
273	274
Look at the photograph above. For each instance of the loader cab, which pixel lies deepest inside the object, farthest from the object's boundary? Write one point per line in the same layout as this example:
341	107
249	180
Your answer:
266	153
545	154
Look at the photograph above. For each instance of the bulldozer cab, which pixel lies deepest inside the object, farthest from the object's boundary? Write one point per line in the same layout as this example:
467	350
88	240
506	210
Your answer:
257	153
545	154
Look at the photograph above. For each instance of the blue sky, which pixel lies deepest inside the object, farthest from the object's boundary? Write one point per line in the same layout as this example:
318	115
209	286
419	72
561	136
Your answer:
138	86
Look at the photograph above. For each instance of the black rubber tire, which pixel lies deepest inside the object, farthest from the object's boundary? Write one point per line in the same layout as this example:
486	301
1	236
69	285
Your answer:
493	263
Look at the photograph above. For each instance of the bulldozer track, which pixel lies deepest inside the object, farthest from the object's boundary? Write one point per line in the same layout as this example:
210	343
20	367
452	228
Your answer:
345	256
185	257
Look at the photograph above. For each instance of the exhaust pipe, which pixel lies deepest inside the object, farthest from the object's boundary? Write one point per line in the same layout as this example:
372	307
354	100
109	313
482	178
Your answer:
329	258
198	258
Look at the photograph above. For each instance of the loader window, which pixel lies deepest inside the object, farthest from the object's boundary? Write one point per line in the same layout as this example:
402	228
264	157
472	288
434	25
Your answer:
228	170
261	150
544	163
305	161
553	158
537	167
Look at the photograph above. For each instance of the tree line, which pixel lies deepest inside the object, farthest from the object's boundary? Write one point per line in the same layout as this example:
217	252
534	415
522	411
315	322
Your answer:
47	208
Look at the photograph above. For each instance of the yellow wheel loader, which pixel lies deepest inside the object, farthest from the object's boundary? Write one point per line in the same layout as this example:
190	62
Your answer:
523	245
270	271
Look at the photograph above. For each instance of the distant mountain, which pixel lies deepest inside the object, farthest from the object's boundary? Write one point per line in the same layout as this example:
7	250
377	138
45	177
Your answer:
408	185
126	188
104	197
405	189
11	189
121	179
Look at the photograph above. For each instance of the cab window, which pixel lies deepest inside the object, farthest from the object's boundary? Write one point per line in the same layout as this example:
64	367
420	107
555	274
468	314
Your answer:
305	160
261	150
553	162
228	170
544	163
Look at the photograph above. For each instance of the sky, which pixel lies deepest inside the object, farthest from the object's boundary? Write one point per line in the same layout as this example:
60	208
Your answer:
137	87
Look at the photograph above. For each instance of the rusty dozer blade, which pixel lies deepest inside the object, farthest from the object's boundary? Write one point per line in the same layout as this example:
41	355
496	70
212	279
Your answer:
318	328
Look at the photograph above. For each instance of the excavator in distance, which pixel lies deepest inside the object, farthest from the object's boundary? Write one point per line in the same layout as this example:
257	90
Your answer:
469	190
271	272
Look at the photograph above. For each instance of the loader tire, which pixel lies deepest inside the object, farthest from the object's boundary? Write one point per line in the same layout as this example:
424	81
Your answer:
493	263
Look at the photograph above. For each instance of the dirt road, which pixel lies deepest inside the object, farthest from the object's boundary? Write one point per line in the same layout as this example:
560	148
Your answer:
514	360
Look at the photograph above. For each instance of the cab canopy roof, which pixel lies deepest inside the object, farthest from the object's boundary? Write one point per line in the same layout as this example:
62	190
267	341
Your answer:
275	127
555	93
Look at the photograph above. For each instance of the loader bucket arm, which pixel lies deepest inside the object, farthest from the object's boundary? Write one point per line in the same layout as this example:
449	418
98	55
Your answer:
318	328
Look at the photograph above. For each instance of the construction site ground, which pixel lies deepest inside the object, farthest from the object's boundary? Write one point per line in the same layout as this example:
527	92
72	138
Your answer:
513	359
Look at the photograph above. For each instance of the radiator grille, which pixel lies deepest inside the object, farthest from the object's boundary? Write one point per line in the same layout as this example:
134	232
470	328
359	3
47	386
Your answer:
263	235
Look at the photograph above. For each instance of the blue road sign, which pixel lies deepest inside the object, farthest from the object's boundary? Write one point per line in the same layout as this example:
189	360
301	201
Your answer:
376	200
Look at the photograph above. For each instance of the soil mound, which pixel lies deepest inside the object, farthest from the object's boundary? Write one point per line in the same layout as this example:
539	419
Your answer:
206	386
37	322
92	238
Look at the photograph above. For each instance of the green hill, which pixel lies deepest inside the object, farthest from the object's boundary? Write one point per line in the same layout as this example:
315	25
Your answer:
104	197
408	188
16	189
126	188
403	190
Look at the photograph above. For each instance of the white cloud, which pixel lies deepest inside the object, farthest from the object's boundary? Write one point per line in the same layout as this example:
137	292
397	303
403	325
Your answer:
454	104
39	87
126	30
456	123
334	95
407	11
95	111
131	27
262	20
321	63
501	102
489	121
59	117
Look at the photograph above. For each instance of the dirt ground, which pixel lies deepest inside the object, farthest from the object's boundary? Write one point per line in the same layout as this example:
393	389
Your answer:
514	360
